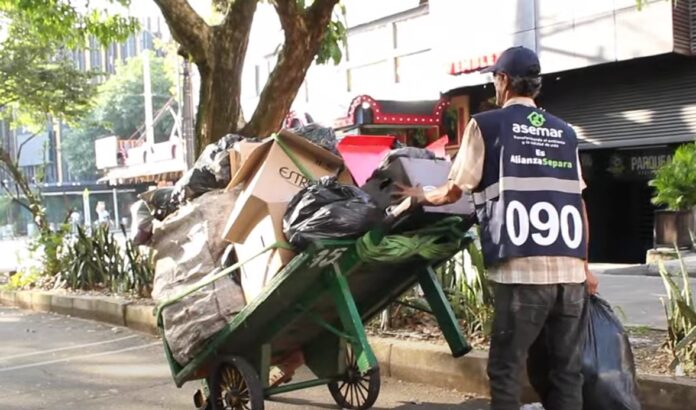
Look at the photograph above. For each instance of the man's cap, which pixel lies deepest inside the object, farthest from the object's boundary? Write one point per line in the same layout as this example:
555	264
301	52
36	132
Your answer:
516	62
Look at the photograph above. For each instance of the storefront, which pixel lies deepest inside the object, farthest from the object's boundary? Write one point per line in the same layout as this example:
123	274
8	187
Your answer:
630	118
414	123
630	94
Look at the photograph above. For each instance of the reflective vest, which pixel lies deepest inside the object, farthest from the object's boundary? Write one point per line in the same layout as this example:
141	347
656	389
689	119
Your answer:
529	201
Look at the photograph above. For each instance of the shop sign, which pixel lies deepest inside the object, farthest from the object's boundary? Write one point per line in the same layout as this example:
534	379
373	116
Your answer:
639	164
469	65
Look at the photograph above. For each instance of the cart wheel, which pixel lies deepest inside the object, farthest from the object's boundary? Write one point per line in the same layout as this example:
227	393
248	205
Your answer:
234	385
355	390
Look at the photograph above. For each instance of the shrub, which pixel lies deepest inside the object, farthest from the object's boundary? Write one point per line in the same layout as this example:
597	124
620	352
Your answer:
96	261
675	181
680	311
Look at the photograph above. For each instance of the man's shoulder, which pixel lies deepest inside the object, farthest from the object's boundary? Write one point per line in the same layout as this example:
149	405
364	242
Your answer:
489	118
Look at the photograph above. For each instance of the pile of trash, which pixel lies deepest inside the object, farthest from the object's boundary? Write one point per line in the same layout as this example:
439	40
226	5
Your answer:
244	197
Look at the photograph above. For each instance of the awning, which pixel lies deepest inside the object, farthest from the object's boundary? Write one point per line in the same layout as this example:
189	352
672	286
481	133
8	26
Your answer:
170	170
366	110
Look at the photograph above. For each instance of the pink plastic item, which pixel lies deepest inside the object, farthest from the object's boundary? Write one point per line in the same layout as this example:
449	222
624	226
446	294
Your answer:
438	147
363	153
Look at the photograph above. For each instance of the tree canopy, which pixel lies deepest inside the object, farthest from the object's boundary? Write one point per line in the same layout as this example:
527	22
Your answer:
119	110
37	76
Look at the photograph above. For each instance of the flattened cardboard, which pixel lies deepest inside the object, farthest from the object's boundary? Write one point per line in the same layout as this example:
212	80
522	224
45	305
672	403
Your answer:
256	273
239	153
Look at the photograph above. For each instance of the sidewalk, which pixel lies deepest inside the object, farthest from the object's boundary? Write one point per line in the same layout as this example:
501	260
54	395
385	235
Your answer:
417	362
653	269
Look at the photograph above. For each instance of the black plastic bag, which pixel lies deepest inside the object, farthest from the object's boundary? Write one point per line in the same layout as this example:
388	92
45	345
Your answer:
161	202
325	137
607	362
329	210
211	170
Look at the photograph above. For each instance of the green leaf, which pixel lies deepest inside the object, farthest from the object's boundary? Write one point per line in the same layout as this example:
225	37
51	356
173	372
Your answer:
690	338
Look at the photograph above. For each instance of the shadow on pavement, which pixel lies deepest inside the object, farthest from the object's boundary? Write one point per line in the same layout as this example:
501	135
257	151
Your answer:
477	404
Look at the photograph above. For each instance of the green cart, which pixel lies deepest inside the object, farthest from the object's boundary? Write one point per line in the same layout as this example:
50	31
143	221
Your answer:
317	304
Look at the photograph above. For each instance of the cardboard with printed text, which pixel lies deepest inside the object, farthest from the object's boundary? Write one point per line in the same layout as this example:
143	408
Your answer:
270	179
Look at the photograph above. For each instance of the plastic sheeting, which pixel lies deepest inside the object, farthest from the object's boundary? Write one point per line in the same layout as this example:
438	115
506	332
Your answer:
189	246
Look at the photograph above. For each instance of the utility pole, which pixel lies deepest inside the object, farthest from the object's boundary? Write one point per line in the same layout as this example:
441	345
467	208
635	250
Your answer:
59	151
149	131
187	117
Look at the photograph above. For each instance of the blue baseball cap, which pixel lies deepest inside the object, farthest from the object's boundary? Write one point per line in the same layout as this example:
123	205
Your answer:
516	62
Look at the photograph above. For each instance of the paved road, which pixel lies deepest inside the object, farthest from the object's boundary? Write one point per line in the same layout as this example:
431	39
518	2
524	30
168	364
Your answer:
636	297
54	362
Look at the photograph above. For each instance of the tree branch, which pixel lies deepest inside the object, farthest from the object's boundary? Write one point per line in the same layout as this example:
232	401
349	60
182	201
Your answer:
187	27
240	12
21	146
303	37
16	199
289	15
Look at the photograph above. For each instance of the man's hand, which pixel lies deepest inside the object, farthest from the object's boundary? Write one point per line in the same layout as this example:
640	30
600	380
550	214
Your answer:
591	281
416	193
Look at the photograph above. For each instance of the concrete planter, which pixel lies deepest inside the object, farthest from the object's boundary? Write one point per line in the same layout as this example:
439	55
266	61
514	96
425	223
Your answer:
673	227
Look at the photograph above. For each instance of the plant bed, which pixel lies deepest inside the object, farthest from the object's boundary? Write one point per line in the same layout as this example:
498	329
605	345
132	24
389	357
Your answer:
648	345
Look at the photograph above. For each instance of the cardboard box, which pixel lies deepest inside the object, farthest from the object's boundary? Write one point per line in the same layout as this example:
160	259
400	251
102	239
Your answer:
427	173
257	272
271	179
239	153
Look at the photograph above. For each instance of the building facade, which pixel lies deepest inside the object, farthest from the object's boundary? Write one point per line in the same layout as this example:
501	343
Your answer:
624	77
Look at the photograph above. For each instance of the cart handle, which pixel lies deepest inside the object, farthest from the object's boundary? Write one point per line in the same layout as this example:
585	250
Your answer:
207	280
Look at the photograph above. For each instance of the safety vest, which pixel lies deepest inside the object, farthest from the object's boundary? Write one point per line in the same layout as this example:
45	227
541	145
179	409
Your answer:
529	201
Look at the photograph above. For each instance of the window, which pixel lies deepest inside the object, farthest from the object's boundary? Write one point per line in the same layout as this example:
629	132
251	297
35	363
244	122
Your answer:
369	77
414	67
413	34
368	46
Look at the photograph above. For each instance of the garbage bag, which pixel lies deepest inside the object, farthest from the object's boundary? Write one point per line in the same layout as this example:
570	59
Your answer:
211	170
327	210
141	223
161	202
323	136
406	152
607	362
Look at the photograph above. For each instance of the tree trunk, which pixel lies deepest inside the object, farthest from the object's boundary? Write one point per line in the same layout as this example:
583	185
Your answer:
221	85
219	53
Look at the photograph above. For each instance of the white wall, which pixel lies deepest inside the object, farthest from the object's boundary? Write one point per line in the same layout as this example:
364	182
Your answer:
567	34
370	61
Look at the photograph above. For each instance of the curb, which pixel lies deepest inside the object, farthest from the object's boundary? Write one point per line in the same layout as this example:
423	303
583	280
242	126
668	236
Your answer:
408	361
647	270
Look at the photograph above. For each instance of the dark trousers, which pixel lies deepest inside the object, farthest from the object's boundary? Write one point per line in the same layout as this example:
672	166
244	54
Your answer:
525	316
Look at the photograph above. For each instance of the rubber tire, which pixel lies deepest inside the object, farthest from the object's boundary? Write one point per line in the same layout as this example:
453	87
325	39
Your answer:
373	388
249	375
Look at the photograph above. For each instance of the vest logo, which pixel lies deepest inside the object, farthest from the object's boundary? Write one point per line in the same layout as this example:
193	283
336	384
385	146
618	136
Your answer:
536	119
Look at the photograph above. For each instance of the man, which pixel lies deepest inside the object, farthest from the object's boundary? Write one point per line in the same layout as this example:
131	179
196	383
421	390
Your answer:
521	164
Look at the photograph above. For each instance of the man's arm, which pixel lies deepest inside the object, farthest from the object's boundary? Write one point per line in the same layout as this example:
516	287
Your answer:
465	173
591	280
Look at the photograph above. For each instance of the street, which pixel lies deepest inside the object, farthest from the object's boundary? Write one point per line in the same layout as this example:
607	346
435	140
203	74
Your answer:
49	361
